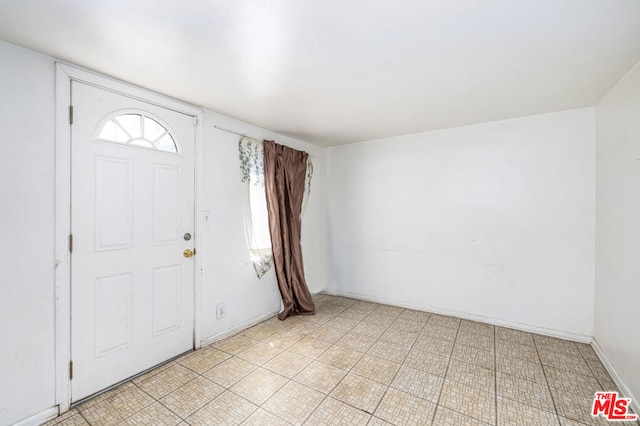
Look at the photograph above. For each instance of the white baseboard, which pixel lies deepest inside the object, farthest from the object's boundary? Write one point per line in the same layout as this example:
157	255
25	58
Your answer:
39	418
488	320
243	326
635	403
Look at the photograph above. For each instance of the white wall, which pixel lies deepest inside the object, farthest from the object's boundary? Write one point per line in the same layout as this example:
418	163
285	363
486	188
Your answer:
492	221
26	248
27	123
617	301
228	275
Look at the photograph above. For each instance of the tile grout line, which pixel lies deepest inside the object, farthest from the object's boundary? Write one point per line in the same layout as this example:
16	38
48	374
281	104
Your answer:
495	373
180	417
401	363
228	389
328	395
471	364
184	419
446	373
544	374
291	380
83	418
325	396
341	380
154	400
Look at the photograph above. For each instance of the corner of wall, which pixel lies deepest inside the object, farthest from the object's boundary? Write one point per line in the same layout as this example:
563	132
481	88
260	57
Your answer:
635	403
617	232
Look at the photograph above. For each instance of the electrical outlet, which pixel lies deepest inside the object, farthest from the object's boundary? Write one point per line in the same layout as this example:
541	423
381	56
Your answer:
220	311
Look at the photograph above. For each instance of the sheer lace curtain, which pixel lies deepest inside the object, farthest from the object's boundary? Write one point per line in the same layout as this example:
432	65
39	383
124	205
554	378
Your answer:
256	217
256	221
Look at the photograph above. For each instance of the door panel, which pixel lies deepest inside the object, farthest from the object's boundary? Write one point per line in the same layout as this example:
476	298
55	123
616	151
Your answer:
112	313
131	286
166	299
114	207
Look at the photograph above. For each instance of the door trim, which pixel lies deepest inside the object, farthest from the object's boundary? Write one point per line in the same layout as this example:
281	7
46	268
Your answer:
65	73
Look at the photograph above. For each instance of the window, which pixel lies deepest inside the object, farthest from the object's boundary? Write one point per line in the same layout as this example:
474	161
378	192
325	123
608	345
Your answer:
137	129
256	217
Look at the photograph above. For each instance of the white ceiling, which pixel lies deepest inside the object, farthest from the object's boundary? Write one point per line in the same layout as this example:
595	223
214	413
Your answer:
338	71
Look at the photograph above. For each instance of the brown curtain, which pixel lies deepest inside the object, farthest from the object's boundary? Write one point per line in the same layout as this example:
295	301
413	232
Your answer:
284	176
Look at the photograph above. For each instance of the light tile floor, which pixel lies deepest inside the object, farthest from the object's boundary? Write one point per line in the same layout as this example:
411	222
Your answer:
362	363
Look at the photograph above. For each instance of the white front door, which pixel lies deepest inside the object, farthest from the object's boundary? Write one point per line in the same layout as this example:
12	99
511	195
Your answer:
132	218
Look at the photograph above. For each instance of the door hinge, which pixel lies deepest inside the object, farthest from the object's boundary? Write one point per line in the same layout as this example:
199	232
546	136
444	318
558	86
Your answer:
70	370
195	120
70	243
70	114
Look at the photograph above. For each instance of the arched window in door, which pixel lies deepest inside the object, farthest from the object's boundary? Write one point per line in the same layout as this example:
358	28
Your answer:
139	129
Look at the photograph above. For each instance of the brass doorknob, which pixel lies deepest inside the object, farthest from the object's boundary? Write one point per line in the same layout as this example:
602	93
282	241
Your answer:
189	253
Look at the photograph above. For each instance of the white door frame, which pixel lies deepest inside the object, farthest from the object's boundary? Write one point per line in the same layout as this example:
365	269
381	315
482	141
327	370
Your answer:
66	73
